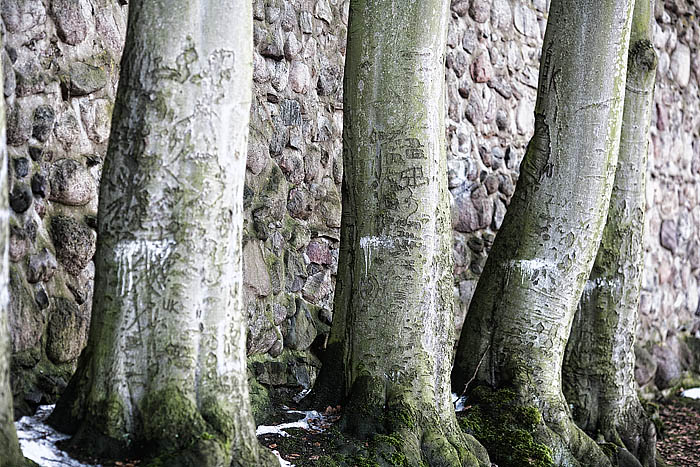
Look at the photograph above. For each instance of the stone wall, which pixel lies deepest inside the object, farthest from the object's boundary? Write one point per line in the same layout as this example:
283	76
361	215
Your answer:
60	66
669	301
60	73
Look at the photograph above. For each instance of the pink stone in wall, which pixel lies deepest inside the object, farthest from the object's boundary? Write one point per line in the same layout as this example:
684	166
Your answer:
481	69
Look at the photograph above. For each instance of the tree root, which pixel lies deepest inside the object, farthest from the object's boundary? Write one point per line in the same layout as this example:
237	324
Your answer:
402	430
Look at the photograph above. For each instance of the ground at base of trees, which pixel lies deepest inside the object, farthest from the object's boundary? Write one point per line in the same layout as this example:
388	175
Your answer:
678	444
679	440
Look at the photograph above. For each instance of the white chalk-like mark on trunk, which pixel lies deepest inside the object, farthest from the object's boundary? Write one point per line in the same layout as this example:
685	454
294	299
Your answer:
153	252
600	283
369	243
528	267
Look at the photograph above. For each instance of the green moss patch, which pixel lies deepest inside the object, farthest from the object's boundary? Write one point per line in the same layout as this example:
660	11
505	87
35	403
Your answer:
505	428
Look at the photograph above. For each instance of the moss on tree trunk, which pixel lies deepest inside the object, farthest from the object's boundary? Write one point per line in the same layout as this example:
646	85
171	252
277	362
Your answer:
391	341
520	316
164	372
599	364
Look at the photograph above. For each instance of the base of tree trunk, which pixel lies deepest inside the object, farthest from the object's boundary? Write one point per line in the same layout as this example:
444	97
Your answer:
402	429
633	436
176	432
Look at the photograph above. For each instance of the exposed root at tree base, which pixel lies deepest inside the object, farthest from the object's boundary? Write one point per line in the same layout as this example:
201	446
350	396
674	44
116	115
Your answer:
517	435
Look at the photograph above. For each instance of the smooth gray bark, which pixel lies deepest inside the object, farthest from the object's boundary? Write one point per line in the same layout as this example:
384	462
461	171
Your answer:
391	341
599	364
10	454
164	372
520	317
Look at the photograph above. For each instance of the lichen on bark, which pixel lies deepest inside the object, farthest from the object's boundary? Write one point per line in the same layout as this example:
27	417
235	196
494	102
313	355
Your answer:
164	372
599	363
389	352
520	316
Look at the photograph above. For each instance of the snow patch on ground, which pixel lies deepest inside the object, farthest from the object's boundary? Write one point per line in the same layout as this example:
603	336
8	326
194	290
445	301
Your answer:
38	441
460	403
692	393
311	420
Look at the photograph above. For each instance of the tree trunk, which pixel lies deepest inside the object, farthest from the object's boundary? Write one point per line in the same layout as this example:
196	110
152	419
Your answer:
10	454
521	313
164	372
392	335
599	363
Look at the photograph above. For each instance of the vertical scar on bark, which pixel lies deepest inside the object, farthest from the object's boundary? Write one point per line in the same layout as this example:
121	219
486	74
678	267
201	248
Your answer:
537	162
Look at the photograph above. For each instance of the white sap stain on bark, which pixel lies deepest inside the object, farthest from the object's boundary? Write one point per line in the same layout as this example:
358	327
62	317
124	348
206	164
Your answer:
128	253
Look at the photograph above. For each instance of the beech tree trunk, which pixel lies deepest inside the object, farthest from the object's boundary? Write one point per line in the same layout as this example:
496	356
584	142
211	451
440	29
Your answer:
391	341
164	373
10	454
520	316
599	365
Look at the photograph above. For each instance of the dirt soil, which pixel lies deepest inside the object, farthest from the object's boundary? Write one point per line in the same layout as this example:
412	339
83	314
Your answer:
679	440
678	443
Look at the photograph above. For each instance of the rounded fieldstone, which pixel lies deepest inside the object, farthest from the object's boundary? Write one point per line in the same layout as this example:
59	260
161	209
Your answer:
501	14
480	10
260	71
460	63
669	235
70	22
470	40
40	185
299	77
300	203
474	110
292	47
19	244
40	297
41	267
491	184
19	126
506	185
30	228
85	79
318	251
74	243
36	153
481	69
472	211
67	331
71	183
328	80
22	15
67	129
42	126
502	120
460	7
20	198
21	167
258	157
